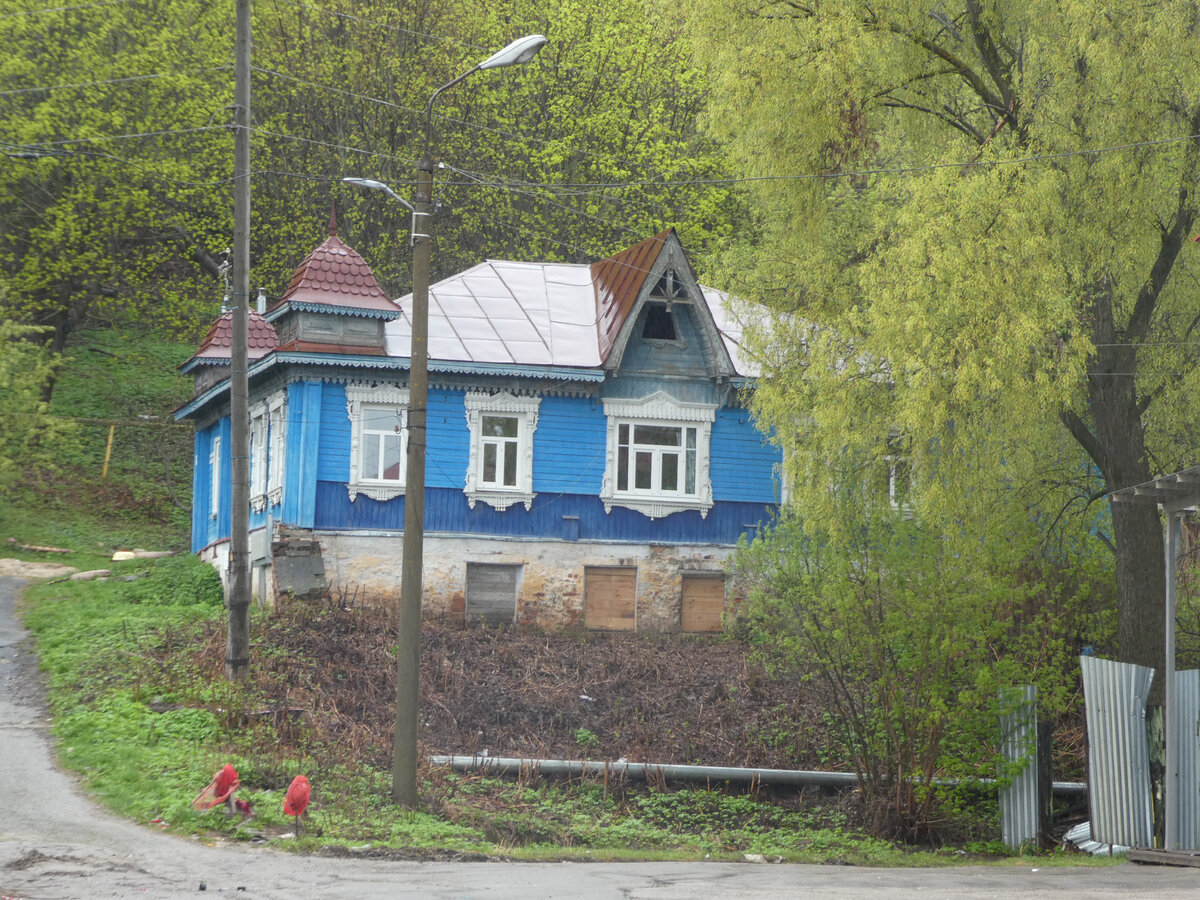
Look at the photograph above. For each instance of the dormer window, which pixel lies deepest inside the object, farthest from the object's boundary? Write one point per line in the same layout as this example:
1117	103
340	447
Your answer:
660	323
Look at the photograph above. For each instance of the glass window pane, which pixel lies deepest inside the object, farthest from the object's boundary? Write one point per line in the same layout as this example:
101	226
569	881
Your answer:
510	464
656	435
623	435
370	456
381	419
623	468
689	473
500	426
393	460
489	463
641	477
670	472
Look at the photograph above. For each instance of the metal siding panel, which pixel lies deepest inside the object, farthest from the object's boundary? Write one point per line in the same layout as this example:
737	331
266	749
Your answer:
1018	741
1187	736
1118	759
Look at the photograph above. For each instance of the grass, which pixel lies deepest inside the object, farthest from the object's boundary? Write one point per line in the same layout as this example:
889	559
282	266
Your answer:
126	384
143	714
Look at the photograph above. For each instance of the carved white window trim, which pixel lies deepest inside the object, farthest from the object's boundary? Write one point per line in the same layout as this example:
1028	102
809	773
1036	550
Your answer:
258	457
525	411
658	409
276	448
214	476
358	397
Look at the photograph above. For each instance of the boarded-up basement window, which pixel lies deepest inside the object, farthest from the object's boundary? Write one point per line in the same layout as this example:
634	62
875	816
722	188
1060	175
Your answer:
492	593
610	598
703	602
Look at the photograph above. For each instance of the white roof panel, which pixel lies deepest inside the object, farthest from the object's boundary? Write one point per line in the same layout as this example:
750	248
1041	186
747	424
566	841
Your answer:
535	314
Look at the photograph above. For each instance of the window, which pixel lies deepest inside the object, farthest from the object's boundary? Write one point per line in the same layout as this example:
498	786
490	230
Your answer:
702	605
378	440
610	598
658	455
214	475
660	323
258	458
266	453
500	464
275	453
492	591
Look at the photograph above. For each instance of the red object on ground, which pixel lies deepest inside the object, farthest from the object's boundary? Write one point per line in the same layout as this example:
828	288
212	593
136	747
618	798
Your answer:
223	784
296	799
244	807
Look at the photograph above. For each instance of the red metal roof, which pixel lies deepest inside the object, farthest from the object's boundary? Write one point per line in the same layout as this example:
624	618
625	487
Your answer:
218	343
335	275
618	281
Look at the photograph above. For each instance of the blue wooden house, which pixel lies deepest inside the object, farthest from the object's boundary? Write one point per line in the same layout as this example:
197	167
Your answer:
590	456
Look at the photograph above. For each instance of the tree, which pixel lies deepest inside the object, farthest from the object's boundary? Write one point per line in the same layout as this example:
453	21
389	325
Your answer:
975	218
29	436
114	187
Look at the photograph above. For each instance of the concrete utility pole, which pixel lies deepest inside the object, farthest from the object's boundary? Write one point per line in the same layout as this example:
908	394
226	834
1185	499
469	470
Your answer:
237	594
408	650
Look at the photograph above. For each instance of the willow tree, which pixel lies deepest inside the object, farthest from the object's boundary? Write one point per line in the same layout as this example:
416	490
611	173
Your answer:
976	253
114	180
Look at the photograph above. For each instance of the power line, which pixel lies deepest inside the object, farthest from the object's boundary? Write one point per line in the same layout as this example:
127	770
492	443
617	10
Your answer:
84	84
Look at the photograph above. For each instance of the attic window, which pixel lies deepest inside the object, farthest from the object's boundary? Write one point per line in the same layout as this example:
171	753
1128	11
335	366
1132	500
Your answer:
660	323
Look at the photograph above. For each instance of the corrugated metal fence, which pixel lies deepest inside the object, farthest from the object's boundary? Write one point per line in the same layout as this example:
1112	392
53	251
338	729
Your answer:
1118	758
1018	741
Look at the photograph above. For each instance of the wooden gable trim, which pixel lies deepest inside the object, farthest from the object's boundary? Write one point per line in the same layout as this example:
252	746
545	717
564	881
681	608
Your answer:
672	257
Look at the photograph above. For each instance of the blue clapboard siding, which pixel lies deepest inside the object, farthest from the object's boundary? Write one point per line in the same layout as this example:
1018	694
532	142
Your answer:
201	502
741	460
333	463
568	446
448	440
304	404
447	511
207	528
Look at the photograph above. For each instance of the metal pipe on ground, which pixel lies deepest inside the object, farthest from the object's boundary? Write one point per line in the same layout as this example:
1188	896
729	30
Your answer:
509	765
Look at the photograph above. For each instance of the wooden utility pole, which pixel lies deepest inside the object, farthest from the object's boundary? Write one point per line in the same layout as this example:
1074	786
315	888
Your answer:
237	594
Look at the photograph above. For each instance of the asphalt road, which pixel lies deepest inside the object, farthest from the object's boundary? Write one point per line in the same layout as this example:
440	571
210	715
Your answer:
54	843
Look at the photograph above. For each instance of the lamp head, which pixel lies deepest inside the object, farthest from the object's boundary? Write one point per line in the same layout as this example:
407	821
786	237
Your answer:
519	52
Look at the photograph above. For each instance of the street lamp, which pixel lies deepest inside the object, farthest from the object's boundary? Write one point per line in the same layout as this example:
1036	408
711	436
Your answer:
408	649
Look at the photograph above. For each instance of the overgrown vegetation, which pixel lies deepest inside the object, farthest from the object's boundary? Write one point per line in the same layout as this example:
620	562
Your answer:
142	712
915	646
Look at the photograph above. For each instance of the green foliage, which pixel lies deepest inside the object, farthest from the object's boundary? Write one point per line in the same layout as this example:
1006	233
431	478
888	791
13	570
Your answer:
586	738
29	435
912	643
974	245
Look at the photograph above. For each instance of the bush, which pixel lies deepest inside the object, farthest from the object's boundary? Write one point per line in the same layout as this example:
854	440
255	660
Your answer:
911	642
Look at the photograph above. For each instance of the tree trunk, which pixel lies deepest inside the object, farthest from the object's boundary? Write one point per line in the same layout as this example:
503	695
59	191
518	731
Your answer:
1119	450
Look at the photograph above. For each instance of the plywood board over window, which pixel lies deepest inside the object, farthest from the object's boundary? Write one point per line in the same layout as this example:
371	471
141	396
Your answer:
610	598
703	602
492	593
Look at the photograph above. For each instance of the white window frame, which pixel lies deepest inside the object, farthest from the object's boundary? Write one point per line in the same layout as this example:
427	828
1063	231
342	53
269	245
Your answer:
277	428
214	476
525	410
364	397
659	409
258	457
